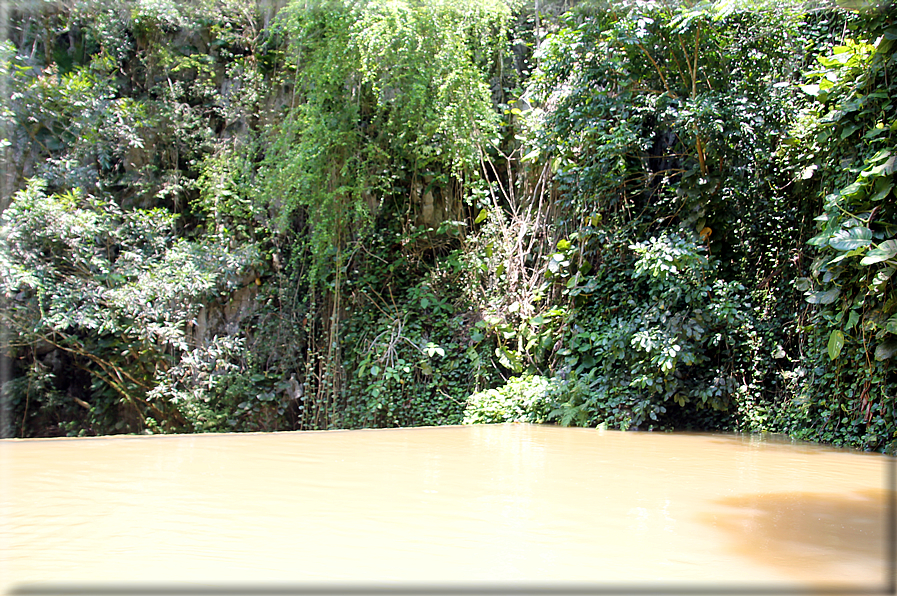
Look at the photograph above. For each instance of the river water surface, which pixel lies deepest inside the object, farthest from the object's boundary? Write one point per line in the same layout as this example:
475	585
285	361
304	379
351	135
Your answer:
538	507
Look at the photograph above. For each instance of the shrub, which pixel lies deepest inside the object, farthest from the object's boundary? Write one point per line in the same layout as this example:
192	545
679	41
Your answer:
521	399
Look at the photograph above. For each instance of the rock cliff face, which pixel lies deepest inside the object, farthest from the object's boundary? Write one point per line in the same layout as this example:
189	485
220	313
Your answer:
434	205
222	318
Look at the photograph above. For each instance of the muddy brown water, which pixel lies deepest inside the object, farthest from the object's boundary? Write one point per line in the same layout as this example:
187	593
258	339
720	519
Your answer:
538	507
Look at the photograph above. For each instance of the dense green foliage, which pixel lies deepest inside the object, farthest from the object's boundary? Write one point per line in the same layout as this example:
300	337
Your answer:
236	216
849	393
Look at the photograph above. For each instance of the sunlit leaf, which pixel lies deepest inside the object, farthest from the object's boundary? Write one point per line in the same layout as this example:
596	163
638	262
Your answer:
879	169
851	190
532	155
884	251
890	166
826	297
835	344
851	239
847	255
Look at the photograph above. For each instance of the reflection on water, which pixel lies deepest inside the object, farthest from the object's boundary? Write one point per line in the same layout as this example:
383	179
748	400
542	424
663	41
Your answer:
836	535
445	506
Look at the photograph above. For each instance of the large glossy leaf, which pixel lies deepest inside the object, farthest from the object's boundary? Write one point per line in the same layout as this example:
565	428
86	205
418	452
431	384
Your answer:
847	255
826	297
851	239
881	155
886	349
802	284
819	240
884	251
835	343
852	190
879	170
890	165
882	189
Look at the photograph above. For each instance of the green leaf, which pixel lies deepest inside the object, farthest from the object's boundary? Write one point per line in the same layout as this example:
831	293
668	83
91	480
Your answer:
851	190
849	130
835	343
881	278
852	320
886	349
878	130
820	240
826	297
880	155
847	255
433	349
884	251
508	359
890	166
880	169
891	325
481	217
532	155
882	189
851	239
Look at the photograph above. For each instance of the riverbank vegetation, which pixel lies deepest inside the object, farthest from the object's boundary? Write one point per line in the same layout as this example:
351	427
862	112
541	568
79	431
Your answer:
235	215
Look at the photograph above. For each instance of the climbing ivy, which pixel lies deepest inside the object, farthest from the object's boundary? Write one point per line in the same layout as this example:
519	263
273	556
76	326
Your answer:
845	136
